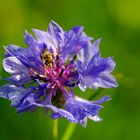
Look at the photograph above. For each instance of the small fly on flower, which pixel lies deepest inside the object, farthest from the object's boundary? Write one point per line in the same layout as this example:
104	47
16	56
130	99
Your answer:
47	58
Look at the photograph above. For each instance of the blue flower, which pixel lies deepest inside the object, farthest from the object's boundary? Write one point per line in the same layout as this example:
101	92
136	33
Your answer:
45	73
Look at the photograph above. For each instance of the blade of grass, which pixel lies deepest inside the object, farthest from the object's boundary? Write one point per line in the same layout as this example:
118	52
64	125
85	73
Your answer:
55	129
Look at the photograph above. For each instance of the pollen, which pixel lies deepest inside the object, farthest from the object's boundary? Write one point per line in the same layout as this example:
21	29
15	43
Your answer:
47	58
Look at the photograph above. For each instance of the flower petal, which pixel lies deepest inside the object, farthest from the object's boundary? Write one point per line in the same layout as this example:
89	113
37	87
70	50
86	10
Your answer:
11	50
107	81
12	93
19	79
13	65
30	40
78	29
74	42
81	109
102	100
57	33
55	115
26	101
95	118
93	70
93	51
45	37
63	113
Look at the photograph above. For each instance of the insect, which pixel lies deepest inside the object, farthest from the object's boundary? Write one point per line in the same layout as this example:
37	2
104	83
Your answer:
47	58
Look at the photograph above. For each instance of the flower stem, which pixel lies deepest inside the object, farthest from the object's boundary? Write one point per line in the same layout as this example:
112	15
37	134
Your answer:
98	91
69	131
55	129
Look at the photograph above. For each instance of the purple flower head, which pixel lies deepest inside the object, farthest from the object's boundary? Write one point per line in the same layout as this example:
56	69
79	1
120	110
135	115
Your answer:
45	73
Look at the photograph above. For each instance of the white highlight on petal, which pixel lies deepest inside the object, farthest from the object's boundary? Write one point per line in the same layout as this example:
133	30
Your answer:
17	77
84	122
12	65
80	56
12	86
95	118
82	87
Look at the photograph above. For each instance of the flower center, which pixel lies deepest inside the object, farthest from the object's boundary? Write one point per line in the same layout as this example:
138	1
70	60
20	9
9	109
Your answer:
58	99
56	72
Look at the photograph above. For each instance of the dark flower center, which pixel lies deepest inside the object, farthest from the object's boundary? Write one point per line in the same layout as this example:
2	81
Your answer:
58	99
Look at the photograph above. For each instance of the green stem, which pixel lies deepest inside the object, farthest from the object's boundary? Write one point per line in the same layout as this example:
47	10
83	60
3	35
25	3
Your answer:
69	131
96	93
55	129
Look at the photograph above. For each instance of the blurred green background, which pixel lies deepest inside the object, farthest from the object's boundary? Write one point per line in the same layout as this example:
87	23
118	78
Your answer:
118	23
